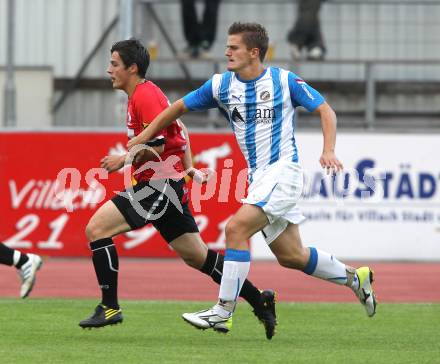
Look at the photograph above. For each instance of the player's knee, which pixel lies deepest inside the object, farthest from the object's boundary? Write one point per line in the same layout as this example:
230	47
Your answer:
191	257
235	231
288	262
229	229
293	260
93	231
193	262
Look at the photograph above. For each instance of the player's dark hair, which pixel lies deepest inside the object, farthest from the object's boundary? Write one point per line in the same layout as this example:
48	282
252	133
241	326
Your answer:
131	52
254	36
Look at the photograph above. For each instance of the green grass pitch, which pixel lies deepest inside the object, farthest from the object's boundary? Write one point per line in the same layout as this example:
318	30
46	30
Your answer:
47	331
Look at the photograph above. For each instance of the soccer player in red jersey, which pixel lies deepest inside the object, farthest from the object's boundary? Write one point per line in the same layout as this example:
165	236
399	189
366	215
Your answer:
158	195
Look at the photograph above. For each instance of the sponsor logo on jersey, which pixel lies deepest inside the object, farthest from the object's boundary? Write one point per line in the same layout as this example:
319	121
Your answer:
237	97
265	95
264	115
236	116
260	116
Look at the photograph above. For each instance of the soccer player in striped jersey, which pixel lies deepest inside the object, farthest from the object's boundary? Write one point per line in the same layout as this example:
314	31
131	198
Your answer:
259	103
158	172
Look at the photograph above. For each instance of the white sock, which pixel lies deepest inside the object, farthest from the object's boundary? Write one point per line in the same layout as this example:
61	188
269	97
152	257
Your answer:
16	257
325	266
235	270
355	282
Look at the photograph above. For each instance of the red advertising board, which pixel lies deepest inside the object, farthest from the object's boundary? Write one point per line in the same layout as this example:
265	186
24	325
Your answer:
34	218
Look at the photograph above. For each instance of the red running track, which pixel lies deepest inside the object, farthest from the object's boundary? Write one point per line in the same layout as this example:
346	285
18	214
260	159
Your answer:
171	279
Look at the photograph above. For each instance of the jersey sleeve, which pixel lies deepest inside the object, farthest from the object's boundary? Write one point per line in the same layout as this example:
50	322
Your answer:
303	94
201	99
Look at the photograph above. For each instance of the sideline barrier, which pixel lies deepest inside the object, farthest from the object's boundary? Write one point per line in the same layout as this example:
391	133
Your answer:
386	204
33	218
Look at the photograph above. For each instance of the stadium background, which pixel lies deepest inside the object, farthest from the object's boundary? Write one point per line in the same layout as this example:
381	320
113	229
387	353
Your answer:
381	75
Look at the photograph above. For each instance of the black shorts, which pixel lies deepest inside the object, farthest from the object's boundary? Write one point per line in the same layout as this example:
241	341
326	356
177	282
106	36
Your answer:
159	205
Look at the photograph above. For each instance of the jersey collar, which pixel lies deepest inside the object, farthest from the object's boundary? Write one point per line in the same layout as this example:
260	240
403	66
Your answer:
254	80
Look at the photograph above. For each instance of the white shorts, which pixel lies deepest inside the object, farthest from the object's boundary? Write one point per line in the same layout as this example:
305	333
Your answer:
277	189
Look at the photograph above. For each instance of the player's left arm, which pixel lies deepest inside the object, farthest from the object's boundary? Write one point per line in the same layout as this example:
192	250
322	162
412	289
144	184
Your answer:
187	157
328	159
302	94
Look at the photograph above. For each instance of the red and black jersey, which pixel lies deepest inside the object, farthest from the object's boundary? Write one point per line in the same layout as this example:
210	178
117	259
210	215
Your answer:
146	102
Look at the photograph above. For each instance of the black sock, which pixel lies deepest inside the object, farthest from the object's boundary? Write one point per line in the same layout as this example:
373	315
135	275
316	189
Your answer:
106	263
213	267
23	259
7	256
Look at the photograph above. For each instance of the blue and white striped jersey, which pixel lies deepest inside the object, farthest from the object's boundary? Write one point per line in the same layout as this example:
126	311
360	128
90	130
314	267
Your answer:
260	112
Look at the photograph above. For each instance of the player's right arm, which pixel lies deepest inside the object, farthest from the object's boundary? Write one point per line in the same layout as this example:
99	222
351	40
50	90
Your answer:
112	163
149	153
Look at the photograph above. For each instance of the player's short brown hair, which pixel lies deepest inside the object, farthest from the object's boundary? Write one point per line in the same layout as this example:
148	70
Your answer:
132	51
254	36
